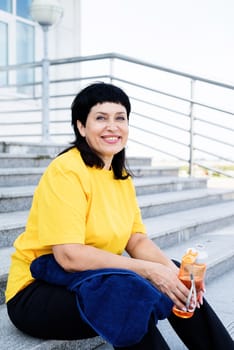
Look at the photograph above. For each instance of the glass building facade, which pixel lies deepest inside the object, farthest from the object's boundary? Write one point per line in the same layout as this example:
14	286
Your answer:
6	5
17	37
3	51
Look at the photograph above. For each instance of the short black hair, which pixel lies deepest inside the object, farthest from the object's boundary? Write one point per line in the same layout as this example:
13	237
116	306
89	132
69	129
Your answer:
94	94
87	98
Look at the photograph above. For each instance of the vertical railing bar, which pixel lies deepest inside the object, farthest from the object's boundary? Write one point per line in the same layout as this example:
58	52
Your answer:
191	131
45	89
111	69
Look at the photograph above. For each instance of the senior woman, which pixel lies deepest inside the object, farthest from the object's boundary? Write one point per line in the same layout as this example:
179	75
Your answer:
68	272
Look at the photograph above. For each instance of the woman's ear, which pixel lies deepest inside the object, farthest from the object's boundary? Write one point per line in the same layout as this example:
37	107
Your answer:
81	128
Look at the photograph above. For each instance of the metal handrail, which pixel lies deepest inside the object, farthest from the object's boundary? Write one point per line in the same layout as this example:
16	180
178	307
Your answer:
173	96
137	91
82	59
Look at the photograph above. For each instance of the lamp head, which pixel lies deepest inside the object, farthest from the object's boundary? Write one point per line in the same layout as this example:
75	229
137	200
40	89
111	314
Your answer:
46	12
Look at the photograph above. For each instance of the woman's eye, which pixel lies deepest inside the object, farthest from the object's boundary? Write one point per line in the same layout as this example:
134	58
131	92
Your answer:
100	117
121	117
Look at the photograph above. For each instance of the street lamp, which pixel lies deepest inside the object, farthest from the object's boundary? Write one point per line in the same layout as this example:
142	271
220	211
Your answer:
46	13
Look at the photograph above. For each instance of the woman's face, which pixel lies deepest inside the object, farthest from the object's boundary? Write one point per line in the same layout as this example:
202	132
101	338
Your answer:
106	130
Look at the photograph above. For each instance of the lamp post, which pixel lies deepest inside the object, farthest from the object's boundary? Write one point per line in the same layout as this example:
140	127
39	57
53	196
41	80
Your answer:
46	13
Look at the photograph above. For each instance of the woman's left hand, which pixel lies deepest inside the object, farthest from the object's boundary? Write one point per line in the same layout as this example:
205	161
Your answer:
200	295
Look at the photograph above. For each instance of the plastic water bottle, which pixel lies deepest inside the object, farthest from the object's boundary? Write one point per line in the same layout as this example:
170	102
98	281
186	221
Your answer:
192	274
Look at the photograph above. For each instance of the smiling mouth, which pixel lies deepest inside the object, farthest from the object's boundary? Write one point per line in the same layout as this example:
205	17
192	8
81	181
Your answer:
111	139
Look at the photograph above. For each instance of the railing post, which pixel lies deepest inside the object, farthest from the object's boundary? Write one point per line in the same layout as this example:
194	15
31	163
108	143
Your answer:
191	131
45	88
111	69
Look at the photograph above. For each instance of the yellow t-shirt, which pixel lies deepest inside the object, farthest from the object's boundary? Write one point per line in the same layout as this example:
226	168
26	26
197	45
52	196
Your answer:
74	203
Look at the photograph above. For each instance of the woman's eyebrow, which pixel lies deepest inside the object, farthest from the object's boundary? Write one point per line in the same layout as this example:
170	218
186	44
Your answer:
106	113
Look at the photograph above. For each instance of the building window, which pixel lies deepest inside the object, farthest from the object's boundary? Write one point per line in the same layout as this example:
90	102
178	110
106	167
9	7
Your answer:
16	42
6	5
24	53
23	9
3	51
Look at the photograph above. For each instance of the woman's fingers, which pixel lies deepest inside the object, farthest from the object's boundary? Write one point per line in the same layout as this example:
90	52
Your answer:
176	291
178	299
179	295
200	295
167	281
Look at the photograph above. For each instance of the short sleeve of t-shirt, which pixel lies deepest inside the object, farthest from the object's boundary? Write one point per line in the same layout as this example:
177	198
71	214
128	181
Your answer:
62	203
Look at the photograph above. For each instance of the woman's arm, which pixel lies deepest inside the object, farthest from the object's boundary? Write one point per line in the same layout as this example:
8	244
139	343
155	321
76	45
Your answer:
146	259
141	247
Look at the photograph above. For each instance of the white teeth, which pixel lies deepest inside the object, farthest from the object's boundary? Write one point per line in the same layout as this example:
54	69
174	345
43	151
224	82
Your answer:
112	138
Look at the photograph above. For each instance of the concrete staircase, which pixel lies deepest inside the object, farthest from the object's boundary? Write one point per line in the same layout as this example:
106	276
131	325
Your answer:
179	212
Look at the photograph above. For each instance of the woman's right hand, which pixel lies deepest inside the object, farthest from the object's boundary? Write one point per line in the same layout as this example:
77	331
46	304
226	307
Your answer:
166	280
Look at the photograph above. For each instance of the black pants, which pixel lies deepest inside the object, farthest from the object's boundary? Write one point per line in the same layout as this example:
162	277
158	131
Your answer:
47	311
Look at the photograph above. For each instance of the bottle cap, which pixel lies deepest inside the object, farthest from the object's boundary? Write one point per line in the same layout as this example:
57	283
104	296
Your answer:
190	256
202	254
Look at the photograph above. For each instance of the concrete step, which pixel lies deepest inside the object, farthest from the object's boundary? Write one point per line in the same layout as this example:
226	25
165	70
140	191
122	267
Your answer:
5	254
20	176
159	184
11	160
15	198
172	229
41	149
11	225
159	204
139	171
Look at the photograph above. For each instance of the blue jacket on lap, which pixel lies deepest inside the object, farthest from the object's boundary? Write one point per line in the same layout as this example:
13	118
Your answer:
116	303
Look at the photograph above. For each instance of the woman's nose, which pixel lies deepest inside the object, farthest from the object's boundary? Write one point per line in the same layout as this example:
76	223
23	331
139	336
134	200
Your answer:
111	125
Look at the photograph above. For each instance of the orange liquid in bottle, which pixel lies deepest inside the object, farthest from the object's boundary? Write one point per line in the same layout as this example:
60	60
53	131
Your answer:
181	313
187	283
